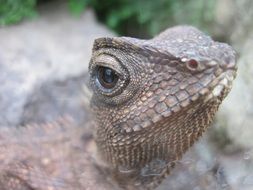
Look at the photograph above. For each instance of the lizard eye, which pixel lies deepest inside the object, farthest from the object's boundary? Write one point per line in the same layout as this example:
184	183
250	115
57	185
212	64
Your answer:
110	78
107	77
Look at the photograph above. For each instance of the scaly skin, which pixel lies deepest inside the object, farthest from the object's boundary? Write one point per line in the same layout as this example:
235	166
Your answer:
167	94
152	99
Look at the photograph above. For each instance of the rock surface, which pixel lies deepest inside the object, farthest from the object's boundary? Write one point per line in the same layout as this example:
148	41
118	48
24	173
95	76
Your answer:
51	49
236	115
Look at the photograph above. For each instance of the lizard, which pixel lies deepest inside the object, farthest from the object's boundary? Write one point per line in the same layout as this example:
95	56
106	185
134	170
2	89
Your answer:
151	101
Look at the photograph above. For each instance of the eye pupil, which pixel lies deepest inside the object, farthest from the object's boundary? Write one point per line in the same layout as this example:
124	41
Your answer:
107	77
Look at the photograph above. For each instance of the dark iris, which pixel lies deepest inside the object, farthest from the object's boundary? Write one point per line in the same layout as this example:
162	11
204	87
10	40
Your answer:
107	77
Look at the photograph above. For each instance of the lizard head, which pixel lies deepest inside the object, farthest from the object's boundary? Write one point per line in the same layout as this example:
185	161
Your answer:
153	98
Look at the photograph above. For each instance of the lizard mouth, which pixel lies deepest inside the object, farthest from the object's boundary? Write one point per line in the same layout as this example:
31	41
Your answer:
220	87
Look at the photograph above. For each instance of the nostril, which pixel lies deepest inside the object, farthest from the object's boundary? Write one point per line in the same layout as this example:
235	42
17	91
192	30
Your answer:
231	64
228	63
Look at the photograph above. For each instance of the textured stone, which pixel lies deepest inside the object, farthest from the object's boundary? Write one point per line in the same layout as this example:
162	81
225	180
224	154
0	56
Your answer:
236	113
53	47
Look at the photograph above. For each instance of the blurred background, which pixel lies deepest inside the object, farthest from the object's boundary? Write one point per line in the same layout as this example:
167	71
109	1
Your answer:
45	47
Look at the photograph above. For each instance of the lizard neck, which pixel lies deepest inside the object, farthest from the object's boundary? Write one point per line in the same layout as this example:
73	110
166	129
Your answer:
139	158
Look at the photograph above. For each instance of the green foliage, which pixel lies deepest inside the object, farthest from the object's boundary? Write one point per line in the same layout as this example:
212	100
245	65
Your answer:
12	11
148	17
77	6
143	18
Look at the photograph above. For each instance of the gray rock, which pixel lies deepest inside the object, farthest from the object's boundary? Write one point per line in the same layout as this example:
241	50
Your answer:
236	113
54	47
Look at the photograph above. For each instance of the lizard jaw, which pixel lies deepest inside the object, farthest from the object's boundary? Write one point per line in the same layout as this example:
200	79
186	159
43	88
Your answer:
222	86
